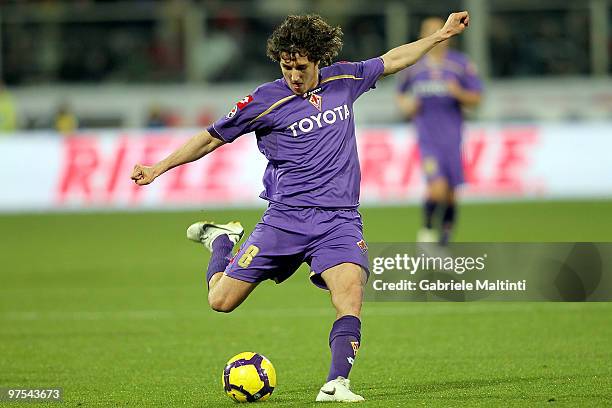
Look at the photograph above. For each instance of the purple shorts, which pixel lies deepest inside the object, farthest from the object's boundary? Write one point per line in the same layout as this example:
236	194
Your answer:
288	236
443	163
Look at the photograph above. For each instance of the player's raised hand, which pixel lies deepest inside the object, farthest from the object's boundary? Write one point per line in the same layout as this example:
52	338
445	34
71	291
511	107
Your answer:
454	88
455	24
143	175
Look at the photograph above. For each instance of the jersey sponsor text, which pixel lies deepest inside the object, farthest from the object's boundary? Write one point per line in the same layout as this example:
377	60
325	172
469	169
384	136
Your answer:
329	117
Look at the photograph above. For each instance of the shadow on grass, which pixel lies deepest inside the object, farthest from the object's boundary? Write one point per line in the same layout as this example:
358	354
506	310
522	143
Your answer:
405	390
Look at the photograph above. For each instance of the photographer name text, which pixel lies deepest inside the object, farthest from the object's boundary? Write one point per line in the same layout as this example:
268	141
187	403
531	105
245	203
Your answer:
452	285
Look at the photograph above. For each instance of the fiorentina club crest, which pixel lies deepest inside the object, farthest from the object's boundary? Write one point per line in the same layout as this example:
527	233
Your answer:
316	101
355	345
363	246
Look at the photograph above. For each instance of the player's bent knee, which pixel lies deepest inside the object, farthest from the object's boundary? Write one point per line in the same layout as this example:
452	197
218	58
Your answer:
222	307
220	304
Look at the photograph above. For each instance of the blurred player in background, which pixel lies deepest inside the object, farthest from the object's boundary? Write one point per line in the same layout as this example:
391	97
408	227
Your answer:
305	127
434	92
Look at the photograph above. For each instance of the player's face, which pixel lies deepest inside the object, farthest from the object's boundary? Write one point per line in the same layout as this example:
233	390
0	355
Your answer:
299	72
430	26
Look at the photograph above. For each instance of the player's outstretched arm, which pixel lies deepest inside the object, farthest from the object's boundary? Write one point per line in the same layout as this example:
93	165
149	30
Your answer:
405	55
195	148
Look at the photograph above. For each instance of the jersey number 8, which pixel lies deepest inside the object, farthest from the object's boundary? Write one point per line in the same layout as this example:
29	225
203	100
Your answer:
246	258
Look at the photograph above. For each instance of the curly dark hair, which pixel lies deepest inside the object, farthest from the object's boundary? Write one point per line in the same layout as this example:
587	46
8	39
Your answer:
309	36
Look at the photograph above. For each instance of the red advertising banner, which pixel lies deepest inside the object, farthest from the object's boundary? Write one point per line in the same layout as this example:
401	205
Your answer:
92	170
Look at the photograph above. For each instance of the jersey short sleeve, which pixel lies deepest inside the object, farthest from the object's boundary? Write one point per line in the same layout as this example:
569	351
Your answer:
367	73
405	81
470	79
245	116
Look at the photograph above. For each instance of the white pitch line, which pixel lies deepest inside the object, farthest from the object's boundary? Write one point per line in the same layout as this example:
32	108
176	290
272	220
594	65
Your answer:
380	309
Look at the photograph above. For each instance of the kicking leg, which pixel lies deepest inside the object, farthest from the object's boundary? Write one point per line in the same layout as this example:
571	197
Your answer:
345	283
224	292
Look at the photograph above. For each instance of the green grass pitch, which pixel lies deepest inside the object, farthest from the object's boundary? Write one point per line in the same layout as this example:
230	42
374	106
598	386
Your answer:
112	308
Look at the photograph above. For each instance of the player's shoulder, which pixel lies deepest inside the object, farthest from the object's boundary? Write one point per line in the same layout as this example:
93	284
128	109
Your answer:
458	57
350	69
339	68
463	62
262	97
271	91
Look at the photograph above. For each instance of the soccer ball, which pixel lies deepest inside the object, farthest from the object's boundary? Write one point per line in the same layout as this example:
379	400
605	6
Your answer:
249	377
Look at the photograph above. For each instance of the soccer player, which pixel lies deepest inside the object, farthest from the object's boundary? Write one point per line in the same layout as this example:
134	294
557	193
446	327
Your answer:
433	92
304	125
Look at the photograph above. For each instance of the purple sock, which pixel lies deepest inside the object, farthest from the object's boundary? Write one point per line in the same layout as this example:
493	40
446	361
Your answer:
448	222
428	212
344	340
221	255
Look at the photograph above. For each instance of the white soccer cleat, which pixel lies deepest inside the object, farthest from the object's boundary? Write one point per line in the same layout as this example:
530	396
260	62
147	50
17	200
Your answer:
338	390
427	235
206	232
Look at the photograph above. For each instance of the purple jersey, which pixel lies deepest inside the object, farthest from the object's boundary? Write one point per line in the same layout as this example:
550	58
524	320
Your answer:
309	140
439	119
